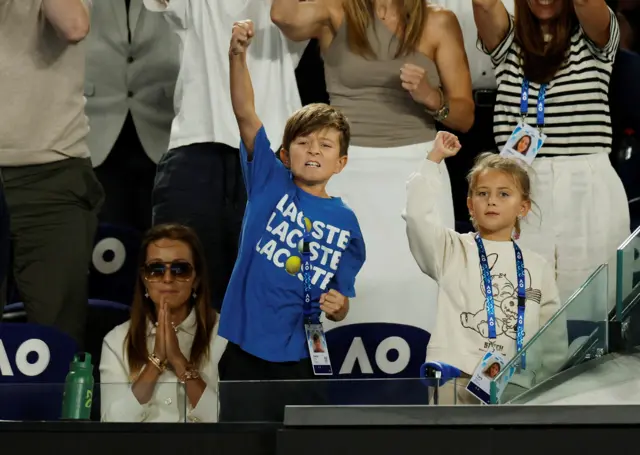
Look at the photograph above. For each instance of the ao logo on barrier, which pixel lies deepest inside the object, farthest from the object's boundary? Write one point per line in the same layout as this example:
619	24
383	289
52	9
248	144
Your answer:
109	255
377	350
21	358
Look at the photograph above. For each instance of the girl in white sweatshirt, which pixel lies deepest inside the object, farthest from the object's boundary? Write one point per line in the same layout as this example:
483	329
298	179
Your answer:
465	330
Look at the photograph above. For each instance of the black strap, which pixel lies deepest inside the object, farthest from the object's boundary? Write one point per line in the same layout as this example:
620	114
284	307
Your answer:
128	4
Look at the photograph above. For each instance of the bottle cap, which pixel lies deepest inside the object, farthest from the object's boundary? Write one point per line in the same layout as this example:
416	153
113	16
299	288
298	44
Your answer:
81	361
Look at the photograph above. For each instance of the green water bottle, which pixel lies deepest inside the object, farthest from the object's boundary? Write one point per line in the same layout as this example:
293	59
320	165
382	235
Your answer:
78	389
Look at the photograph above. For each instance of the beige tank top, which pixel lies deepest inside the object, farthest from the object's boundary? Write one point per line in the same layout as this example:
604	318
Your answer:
369	92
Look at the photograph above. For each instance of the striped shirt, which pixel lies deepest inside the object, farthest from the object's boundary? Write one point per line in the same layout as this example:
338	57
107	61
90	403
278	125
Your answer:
576	111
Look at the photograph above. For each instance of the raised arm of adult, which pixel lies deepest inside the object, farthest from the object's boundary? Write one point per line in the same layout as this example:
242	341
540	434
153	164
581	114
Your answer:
492	21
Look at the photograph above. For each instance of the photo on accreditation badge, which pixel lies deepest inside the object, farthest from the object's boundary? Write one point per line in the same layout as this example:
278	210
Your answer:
525	143
318	350
492	371
488	370
317	343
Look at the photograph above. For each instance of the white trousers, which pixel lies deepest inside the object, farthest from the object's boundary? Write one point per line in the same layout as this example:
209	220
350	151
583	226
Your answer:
390	287
581	218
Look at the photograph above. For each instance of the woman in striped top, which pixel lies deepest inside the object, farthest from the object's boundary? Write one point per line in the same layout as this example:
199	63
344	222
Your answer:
567	46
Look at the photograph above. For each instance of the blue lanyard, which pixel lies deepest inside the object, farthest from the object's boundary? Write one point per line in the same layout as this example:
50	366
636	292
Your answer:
524	102
488	287
311	314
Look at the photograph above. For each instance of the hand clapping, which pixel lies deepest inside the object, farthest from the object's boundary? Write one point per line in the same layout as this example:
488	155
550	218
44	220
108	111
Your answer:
167	347
174	355
160	347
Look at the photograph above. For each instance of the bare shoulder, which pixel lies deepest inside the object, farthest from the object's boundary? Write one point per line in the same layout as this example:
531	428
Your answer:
335	10
441	26
441	18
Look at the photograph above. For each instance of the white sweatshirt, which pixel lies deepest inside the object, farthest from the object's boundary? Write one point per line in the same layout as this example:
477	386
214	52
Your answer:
460	337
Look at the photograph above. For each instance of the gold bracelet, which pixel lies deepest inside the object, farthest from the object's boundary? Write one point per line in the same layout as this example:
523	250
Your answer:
189	374
159	364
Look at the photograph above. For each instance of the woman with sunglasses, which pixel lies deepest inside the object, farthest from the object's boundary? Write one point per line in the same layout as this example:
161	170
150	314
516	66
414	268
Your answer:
160	366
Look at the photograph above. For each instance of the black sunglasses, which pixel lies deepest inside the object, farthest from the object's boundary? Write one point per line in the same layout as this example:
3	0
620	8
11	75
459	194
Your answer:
179	270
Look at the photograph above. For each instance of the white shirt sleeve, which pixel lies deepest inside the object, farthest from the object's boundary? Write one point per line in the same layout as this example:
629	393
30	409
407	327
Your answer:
609	51
499	54
117	401
431	243
175	11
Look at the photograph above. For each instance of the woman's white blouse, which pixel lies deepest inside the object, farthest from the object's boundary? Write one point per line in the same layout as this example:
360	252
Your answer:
169	402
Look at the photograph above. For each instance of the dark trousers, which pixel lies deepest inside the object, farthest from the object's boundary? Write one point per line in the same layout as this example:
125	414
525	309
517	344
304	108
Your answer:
255	390
127	178
53	215
201	186
477	140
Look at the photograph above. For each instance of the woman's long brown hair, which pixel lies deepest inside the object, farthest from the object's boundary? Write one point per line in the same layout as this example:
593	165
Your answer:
412	16
143	309
541	60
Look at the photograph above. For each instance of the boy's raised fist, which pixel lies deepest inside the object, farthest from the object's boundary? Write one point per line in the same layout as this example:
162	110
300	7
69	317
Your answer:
241	36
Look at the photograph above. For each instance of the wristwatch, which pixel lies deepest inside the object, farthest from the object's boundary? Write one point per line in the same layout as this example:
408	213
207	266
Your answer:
442	113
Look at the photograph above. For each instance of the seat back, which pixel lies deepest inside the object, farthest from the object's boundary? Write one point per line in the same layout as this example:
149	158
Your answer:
113	271
34	361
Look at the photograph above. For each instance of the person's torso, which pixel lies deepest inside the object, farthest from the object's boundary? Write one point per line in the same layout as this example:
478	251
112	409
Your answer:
576	107
41	87
461	331
370	93
203	102
269	291
169	401
122	76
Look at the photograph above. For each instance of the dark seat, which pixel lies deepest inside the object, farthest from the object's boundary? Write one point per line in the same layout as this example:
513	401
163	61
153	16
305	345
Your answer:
113	271
624	99
32	382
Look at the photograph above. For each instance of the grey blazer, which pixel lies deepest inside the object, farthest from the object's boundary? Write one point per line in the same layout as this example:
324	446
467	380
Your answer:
120	77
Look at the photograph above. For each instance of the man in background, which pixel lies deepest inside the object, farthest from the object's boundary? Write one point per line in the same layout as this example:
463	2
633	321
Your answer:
199	181
51	191
132	66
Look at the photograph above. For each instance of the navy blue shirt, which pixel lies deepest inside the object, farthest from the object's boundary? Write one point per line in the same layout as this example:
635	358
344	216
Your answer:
262	311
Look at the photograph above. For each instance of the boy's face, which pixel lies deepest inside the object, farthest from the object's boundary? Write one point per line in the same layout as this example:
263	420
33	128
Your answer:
313	159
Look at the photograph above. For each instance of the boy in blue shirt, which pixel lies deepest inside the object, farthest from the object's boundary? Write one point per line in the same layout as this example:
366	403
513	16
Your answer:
288	213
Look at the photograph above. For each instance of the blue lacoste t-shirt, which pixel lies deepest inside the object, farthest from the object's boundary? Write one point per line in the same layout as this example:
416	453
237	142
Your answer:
262	311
